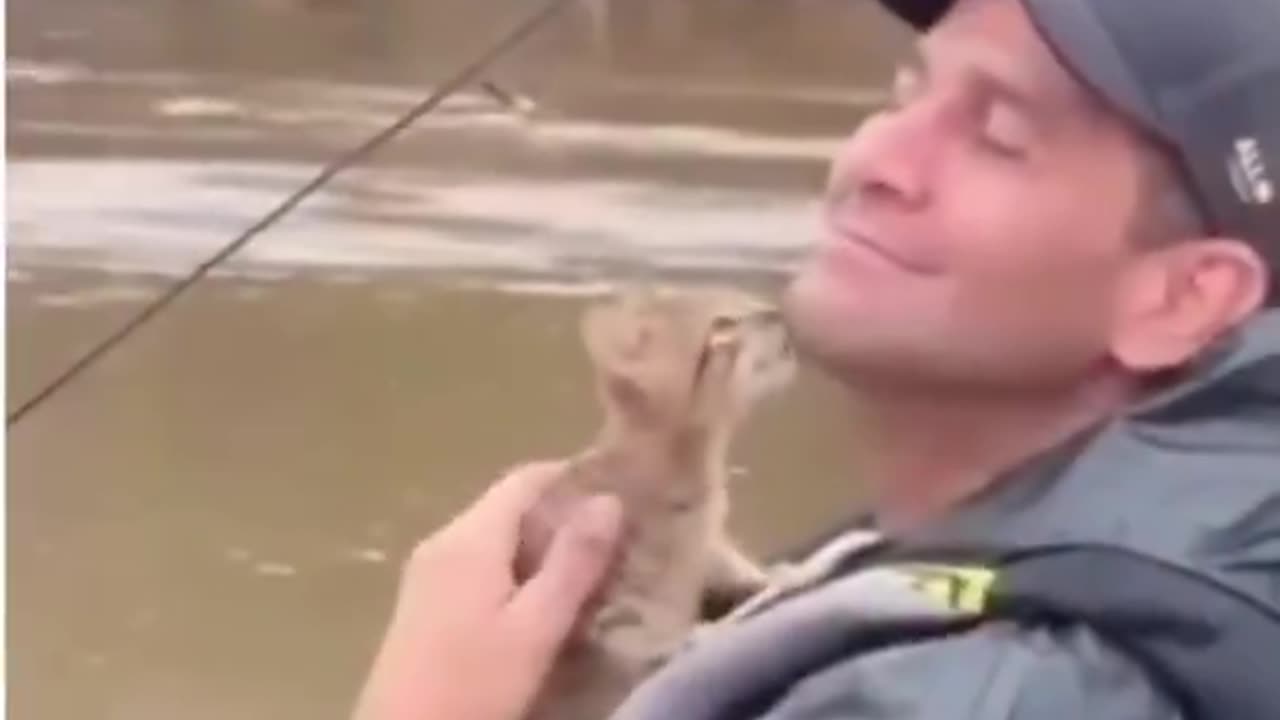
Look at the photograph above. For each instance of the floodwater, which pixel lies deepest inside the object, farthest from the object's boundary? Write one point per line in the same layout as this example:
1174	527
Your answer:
209	523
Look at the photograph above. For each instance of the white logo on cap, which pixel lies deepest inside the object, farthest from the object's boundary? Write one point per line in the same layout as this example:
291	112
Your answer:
1249	173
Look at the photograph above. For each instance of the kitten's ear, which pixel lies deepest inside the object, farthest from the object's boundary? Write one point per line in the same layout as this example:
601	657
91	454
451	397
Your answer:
618	338
615	335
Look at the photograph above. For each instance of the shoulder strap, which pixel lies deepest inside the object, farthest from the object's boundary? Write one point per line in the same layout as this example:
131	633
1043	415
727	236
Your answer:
1209	648
1213	650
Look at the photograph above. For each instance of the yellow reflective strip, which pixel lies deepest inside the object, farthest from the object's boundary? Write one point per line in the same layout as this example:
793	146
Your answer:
965	588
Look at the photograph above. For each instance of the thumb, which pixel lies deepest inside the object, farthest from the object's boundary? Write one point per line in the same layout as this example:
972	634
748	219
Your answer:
547	606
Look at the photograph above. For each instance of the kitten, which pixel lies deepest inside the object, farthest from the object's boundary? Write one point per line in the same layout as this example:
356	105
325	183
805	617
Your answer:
678	371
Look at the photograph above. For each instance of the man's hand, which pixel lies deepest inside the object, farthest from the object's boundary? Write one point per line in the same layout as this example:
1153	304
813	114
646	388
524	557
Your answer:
465	641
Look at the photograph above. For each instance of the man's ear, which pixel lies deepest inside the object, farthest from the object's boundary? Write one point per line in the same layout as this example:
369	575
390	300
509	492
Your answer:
1177	300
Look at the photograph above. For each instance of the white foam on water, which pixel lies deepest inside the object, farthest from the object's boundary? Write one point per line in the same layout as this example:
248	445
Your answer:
565	288
17	70
274	569
189	106
684	139
366	555
137	132
161	216
96	296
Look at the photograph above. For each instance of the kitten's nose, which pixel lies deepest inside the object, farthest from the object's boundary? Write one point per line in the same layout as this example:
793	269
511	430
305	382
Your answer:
772	316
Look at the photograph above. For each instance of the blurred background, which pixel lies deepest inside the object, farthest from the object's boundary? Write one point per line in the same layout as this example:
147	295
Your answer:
210	523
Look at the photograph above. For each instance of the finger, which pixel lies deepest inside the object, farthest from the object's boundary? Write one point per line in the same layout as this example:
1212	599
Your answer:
500	507
545	608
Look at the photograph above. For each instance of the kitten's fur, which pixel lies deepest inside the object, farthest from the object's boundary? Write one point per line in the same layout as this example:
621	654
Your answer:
678	370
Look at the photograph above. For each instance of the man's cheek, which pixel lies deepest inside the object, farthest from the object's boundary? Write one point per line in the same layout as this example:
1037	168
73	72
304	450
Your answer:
1006	286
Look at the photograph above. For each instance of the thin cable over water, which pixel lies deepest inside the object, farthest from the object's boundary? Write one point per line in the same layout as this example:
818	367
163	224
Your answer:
466	76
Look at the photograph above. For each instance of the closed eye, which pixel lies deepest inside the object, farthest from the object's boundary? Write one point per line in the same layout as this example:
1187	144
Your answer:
1006	131
722	330
723	322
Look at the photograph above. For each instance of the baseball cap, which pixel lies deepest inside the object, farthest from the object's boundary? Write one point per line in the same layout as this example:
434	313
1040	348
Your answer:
1202	75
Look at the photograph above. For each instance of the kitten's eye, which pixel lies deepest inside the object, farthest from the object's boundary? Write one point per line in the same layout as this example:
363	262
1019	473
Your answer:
723	330
723	322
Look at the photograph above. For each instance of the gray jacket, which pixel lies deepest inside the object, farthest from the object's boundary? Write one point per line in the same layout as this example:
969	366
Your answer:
1191	479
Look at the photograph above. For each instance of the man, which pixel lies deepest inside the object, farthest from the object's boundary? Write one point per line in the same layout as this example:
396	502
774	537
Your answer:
1046	283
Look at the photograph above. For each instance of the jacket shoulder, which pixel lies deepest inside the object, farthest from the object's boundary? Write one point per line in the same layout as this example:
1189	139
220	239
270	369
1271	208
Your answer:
998	671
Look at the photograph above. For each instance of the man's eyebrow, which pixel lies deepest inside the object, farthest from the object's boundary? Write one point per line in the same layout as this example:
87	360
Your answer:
991	71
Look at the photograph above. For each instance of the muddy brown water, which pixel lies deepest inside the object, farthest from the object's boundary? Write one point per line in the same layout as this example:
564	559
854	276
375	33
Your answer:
209	524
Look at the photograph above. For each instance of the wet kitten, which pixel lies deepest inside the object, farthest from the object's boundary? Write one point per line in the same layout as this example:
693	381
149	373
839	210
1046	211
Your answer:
678	371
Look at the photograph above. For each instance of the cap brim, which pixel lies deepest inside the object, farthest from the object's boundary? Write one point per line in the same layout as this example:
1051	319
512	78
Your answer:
1086	49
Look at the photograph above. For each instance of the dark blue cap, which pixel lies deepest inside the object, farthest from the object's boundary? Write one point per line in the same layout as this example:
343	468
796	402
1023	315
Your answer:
1201	75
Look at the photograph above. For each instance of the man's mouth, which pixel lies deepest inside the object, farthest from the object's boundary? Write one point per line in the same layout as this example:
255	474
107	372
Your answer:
847	239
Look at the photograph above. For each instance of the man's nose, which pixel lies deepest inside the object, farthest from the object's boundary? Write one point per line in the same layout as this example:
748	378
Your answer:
889	158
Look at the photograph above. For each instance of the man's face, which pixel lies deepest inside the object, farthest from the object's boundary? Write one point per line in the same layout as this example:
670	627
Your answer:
976	232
